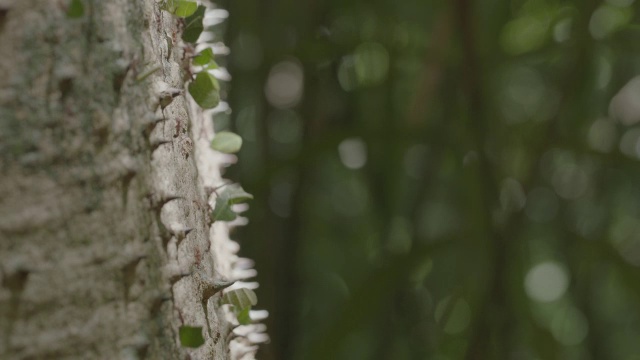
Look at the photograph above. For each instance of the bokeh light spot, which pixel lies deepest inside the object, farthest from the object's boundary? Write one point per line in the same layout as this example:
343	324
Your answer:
546	282
569	326
542	205
625	236
570	181
602	135
625	106
437	219
524	96
607	19
368	65
620	3
453	315
353	153
562	30
247	51
629	143
524	34
285	84
372	63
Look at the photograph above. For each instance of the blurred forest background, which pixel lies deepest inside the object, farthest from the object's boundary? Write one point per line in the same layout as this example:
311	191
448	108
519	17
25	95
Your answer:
440	179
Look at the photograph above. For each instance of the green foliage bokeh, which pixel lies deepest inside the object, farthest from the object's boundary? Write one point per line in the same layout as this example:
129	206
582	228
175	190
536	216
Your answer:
440	179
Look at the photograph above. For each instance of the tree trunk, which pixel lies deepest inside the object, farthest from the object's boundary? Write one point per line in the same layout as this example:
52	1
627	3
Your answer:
106	243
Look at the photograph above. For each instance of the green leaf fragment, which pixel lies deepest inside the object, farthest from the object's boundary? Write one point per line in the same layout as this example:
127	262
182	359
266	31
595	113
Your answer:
191	336
181	8
76	9
226	142
193	26
203	57
243	316
231	195
204	90
212	65
186	8
206	59
222	211
240	298
235	194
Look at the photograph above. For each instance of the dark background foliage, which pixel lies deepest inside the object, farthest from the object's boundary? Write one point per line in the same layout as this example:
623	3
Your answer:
440	179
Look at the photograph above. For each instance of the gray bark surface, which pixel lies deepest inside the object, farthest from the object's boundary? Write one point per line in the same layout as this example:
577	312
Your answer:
106	245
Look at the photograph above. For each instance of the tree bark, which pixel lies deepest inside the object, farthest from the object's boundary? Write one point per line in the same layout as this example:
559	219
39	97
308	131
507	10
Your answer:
106	243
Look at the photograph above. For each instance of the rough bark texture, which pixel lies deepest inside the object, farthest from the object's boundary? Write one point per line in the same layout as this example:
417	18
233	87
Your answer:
106	245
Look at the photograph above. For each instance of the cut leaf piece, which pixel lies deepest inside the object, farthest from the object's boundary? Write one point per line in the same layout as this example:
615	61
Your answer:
191	336
235	194
204	57
76	9
193	25
226	142
232	194
212	65
223	211
204	90
181	8
243	316
240	298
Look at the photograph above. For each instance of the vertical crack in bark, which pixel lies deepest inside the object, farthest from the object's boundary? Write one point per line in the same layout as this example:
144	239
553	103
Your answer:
14	280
